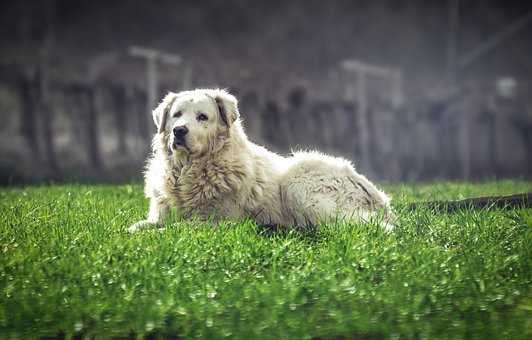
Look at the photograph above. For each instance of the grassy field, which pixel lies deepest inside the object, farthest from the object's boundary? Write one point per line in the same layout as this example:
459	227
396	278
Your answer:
68	268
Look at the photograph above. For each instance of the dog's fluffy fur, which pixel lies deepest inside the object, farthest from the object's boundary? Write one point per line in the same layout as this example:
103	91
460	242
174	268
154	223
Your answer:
214	171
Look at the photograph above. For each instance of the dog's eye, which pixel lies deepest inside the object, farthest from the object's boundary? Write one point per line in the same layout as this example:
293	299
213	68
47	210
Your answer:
202	117
177	114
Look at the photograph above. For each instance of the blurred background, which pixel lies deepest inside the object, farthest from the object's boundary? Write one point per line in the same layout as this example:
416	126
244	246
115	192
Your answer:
407	89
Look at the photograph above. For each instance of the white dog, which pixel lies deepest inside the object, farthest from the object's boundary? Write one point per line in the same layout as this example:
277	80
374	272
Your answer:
204	164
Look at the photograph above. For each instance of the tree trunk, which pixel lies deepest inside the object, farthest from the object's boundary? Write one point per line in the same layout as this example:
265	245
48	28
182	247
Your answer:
119	110
144	127
93	146
28	119
45	88
47	120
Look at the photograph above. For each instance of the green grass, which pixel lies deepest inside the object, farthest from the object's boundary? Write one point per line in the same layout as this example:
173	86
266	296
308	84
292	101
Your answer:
68	268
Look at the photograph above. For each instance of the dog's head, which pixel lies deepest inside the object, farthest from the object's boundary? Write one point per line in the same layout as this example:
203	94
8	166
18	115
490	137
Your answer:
196	122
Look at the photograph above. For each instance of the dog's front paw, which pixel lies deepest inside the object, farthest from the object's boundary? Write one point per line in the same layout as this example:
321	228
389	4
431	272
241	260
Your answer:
140	226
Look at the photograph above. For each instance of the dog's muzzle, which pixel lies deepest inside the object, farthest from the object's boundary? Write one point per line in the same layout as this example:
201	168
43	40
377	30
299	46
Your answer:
179	136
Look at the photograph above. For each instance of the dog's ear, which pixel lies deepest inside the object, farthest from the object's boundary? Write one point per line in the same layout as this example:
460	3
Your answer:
160	114
227	106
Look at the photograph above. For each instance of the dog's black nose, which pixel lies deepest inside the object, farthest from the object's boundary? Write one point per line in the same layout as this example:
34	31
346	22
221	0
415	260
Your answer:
180	131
